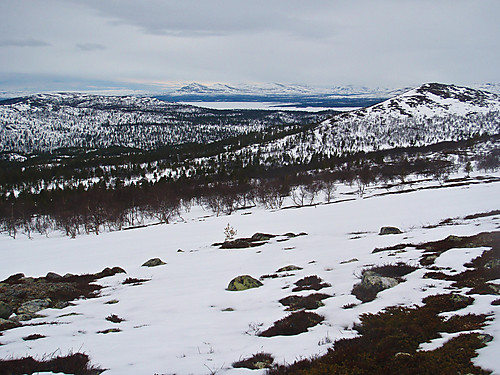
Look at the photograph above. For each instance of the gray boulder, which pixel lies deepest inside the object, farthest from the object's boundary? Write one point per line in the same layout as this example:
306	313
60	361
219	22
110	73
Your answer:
5	310
154	262
389	230
377	283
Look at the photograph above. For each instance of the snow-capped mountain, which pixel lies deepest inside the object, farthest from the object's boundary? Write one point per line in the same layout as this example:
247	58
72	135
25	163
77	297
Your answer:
45	122
426	115
282	90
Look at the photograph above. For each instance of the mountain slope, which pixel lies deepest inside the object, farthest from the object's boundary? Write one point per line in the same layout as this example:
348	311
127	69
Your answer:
426	115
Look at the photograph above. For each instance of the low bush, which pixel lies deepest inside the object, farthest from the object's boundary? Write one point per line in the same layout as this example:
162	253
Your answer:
114	318
310	302
34	336
310	283
389	342
258	361
395	271
293	324
133	281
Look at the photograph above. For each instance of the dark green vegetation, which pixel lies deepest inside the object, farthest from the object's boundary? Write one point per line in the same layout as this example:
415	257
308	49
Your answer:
389	340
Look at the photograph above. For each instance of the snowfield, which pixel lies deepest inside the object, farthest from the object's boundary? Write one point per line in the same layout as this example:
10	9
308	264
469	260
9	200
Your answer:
184	321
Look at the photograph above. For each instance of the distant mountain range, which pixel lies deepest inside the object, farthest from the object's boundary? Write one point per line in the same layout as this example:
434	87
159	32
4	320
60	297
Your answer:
282	90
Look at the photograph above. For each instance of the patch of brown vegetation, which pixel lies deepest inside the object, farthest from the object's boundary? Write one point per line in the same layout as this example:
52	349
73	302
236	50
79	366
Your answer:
310	283
435	248
258	361
293	324
114	318
133	281
77	363
389	342
481	270
310	302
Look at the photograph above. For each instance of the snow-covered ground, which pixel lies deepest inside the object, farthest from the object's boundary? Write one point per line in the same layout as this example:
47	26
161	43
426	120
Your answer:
178	322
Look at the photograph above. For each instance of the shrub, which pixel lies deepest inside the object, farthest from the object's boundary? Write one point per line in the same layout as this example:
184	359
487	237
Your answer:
389	340
310	302
114	318
293	324
310	283
258	361
133	281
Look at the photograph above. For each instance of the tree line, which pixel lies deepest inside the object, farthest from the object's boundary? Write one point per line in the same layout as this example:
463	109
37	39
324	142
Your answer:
103	207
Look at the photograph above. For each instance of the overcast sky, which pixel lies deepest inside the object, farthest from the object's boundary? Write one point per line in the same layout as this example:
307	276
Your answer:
133	43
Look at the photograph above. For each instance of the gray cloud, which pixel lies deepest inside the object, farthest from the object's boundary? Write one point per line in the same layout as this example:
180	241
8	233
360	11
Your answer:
320	42
23	43
90	47
192	18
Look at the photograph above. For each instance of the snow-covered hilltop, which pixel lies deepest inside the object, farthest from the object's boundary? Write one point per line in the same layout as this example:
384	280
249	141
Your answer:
426	115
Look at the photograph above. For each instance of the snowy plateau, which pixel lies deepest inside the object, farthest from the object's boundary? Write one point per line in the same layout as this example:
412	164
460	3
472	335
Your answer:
182	320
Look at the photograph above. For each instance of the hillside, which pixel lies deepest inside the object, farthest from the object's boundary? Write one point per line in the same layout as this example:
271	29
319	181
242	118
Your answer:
47	122
179	317
297	248
426	115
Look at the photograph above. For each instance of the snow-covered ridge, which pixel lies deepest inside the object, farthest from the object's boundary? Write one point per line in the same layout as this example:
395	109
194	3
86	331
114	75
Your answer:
435	99
422	116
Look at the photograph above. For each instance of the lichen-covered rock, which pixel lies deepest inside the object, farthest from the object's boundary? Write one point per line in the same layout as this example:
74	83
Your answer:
5	310
389	230
33	306
7	324
154	262
289	268
243	282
